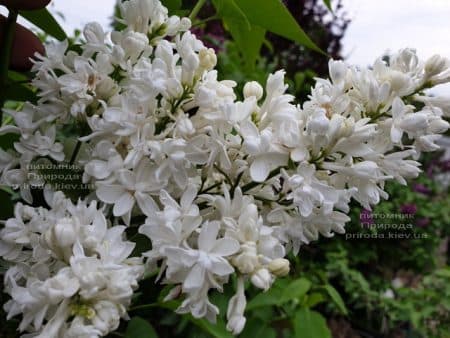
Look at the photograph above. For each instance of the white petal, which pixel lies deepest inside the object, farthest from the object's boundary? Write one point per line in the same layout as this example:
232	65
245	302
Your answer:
259	170
123	205
146	203
208	236
225	247
109	193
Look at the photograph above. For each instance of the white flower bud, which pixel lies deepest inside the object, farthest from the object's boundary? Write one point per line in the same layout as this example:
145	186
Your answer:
64	233
134	43
185	126
279	267
208	58
107	316
435	65
236	324
438	126
253	88
93	33
262	279
414	122
236	308
318	123
247	261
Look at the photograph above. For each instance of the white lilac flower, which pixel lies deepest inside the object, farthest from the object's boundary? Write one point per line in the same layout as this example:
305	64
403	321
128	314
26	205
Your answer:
69	270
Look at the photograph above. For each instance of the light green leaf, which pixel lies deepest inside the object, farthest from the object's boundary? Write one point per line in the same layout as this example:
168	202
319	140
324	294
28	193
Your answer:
249	38
249	41
280	293
231	12
336	297
273	16
310	324
45	21
140	328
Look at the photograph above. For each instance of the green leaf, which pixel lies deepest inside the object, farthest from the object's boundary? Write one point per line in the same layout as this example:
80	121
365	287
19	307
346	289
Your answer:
7	141
257	328
295	290
273	16
45	21
336	297
249	38
217	330
314	299
172	5
328	4
19	92
310	324
6	211
231	12
279	293
249	41
140	328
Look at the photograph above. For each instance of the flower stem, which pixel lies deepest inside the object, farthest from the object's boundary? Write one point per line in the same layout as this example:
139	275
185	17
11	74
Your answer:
75	152
198	6
5	56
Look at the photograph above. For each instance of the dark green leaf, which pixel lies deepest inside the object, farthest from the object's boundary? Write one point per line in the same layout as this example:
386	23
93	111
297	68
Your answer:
257	328
6	211
310	324
217	330
7	141
45	21
140	328
328	4
19	92
336	297
172	5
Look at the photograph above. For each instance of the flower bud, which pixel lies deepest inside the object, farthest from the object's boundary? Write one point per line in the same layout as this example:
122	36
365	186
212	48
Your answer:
107	316
185	126
93	33
435	65
438	126
318	123
262	279
236	324
253	88
236	308
247	261
208	58
134	43
64	233
279	267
